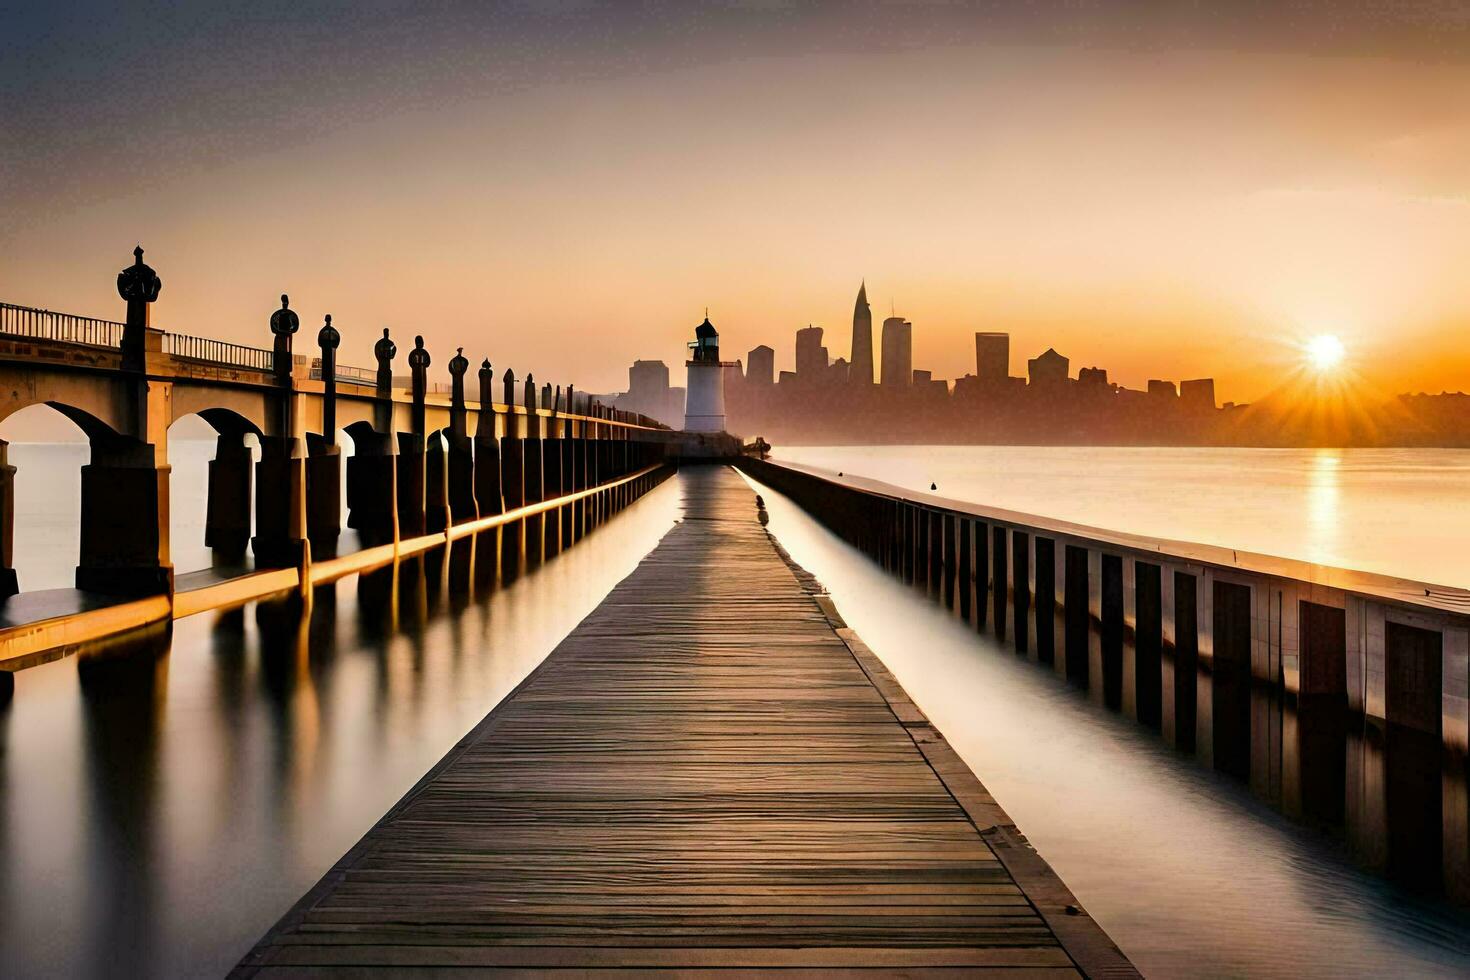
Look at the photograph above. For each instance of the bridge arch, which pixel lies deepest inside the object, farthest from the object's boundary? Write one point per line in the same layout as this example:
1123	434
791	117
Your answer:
99	405
212	528
43	484
363	434
228	411
223	421
92	426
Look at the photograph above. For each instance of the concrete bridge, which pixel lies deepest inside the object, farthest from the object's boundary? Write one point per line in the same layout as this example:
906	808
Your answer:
428	464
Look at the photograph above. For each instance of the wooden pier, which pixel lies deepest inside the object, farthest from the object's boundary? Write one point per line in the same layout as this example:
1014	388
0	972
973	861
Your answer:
710	772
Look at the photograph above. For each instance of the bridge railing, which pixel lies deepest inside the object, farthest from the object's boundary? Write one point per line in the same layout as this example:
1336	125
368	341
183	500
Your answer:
209	351
23	321
28	322
344	372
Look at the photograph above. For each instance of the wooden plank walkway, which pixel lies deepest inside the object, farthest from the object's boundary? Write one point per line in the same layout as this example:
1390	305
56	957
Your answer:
710	772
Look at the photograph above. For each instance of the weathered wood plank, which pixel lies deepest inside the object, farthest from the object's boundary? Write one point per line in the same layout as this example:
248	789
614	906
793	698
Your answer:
705	774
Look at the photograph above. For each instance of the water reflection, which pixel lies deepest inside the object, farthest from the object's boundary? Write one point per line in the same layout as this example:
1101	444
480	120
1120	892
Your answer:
123	694
1394	789
289	676
162	806
1324	520
461	575
1182	853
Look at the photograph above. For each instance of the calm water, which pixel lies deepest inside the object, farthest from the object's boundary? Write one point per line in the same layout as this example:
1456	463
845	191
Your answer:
159	811
1188	872
1395	511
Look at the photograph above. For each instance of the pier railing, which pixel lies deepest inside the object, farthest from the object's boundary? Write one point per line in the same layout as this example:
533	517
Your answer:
24	321
1140	618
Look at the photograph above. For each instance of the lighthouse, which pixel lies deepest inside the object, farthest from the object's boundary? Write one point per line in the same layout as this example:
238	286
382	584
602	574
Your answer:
704	405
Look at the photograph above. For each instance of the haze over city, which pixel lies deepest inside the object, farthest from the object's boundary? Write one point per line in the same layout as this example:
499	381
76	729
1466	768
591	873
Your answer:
1168	193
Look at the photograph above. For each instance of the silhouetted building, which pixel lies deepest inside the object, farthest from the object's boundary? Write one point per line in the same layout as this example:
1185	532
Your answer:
734	375
1162	389
811	356
827	401
648	378
992	358
898	352
760	366
1197	395
1048	368
649	393
860	368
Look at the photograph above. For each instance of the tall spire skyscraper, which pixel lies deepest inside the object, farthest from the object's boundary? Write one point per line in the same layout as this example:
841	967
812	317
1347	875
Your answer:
860	370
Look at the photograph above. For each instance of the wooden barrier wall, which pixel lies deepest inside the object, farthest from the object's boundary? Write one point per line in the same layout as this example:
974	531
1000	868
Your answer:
1203	644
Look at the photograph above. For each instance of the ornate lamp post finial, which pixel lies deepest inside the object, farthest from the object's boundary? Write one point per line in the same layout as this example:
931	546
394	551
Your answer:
139	286
459	364
284	323
487	382
327	336
458	416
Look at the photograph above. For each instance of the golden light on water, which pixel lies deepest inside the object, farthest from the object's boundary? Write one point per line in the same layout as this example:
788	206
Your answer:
1325	352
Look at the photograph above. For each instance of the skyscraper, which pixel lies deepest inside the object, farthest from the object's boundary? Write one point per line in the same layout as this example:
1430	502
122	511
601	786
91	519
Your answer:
760	366
1198	395
1048	369
649	393
648	380
811	356
860	365
898	352
992	358
1162	389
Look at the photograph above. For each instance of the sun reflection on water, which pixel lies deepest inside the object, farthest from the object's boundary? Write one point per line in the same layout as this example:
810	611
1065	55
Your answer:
1324	489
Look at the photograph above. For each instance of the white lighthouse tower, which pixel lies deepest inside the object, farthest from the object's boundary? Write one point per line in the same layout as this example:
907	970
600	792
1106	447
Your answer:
704	406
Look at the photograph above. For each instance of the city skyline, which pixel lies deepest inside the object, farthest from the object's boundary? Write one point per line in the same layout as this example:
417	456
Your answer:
997	356
1318	401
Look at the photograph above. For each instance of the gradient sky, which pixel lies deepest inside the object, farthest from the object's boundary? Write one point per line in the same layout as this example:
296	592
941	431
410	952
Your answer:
1162	190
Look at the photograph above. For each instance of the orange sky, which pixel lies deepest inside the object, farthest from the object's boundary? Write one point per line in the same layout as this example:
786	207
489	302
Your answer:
1168	211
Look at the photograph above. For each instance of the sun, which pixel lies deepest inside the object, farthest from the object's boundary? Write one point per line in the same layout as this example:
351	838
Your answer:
1324	352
